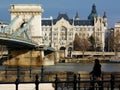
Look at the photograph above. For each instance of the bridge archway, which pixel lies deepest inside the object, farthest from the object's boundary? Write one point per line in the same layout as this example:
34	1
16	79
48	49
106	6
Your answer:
23	24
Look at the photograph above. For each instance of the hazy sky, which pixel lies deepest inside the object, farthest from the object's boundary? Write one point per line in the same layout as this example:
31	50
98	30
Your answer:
53	7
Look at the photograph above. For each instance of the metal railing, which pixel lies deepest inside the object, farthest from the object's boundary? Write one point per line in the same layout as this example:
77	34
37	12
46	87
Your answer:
72	82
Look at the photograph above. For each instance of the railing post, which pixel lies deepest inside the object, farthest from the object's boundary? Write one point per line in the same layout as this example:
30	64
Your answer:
79	82
6	72
36	82
56	82
119	87
18	72
17	83
74	83
101	83
30	71
42	74
92	83
112	81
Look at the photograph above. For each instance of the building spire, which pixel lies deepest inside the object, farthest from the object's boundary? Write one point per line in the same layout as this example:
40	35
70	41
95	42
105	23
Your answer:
94	9
105	19
104	15
77	16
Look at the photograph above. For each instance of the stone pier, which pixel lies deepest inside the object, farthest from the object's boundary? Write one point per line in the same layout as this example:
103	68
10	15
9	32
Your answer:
27	58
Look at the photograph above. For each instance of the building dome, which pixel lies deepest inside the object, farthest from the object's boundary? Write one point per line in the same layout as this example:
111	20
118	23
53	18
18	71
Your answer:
93	13
92	16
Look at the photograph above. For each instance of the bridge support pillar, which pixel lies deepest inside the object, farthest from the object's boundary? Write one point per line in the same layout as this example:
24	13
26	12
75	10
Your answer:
28	58
25	58
42	54
57	56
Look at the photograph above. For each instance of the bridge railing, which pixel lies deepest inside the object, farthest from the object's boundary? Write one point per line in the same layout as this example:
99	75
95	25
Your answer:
8	36
59	81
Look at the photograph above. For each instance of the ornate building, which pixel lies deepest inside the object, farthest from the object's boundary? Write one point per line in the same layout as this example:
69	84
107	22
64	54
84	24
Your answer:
117	27
60	32
2	25
117	36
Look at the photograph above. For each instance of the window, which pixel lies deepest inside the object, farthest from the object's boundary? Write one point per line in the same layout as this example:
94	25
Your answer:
64	32
55	29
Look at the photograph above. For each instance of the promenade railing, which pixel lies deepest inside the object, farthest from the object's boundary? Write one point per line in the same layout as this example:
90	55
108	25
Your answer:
68	81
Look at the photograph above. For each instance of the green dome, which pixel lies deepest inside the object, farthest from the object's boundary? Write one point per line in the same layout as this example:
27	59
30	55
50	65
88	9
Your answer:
92	16
93	13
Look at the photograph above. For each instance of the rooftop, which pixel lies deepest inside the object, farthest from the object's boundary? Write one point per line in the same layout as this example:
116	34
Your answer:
71	21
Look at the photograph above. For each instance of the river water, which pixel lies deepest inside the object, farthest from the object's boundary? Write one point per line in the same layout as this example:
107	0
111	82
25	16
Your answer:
63	67
83	67
78	67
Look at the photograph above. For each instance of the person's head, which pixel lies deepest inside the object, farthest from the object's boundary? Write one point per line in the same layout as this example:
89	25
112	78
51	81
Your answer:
96	61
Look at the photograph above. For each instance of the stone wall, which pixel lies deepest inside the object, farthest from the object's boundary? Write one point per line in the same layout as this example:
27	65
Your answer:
25	58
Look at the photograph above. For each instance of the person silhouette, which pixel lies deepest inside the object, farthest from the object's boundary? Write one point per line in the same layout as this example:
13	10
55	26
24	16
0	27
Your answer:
96	74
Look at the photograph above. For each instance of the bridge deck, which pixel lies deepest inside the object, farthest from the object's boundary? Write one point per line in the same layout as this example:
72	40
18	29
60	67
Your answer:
16	43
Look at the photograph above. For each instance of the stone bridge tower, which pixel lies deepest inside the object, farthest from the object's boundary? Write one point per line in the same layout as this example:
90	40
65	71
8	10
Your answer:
30	15
26	24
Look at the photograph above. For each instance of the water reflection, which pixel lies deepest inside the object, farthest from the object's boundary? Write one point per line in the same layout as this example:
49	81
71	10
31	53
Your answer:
111	67
107	67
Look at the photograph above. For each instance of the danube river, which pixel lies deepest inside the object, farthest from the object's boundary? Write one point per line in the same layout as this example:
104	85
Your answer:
77	67
83	67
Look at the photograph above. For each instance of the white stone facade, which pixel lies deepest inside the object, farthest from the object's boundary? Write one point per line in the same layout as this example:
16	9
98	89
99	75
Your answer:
117	31
60	32
25	13
99	31
117	27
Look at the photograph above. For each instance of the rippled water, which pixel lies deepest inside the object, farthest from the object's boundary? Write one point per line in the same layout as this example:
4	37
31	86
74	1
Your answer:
79	67
107	67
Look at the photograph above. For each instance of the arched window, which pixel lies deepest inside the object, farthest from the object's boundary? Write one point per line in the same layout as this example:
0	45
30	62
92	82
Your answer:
69	51
64	32
62	48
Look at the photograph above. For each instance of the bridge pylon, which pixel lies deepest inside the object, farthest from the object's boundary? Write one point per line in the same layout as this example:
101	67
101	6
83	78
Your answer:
28	21
23	37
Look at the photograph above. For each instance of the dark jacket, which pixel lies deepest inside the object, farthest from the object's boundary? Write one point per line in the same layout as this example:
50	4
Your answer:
96	72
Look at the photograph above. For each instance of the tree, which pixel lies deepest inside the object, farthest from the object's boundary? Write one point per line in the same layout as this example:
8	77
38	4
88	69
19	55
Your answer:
76	43
114	42
81	44
92	41
110	43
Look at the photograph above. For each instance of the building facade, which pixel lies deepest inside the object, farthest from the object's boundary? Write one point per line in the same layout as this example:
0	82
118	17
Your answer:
3	25
117	27
60	32
117	37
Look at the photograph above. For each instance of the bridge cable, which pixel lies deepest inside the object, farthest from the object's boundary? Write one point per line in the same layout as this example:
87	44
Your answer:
5	29
23	30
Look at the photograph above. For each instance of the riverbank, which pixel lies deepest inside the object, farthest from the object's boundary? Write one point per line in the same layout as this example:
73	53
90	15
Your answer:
84	60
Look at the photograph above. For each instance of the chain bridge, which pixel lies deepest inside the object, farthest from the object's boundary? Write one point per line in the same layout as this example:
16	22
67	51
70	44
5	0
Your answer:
25	27
19	39
23	35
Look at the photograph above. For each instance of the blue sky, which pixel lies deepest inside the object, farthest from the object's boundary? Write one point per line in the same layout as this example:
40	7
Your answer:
53	7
